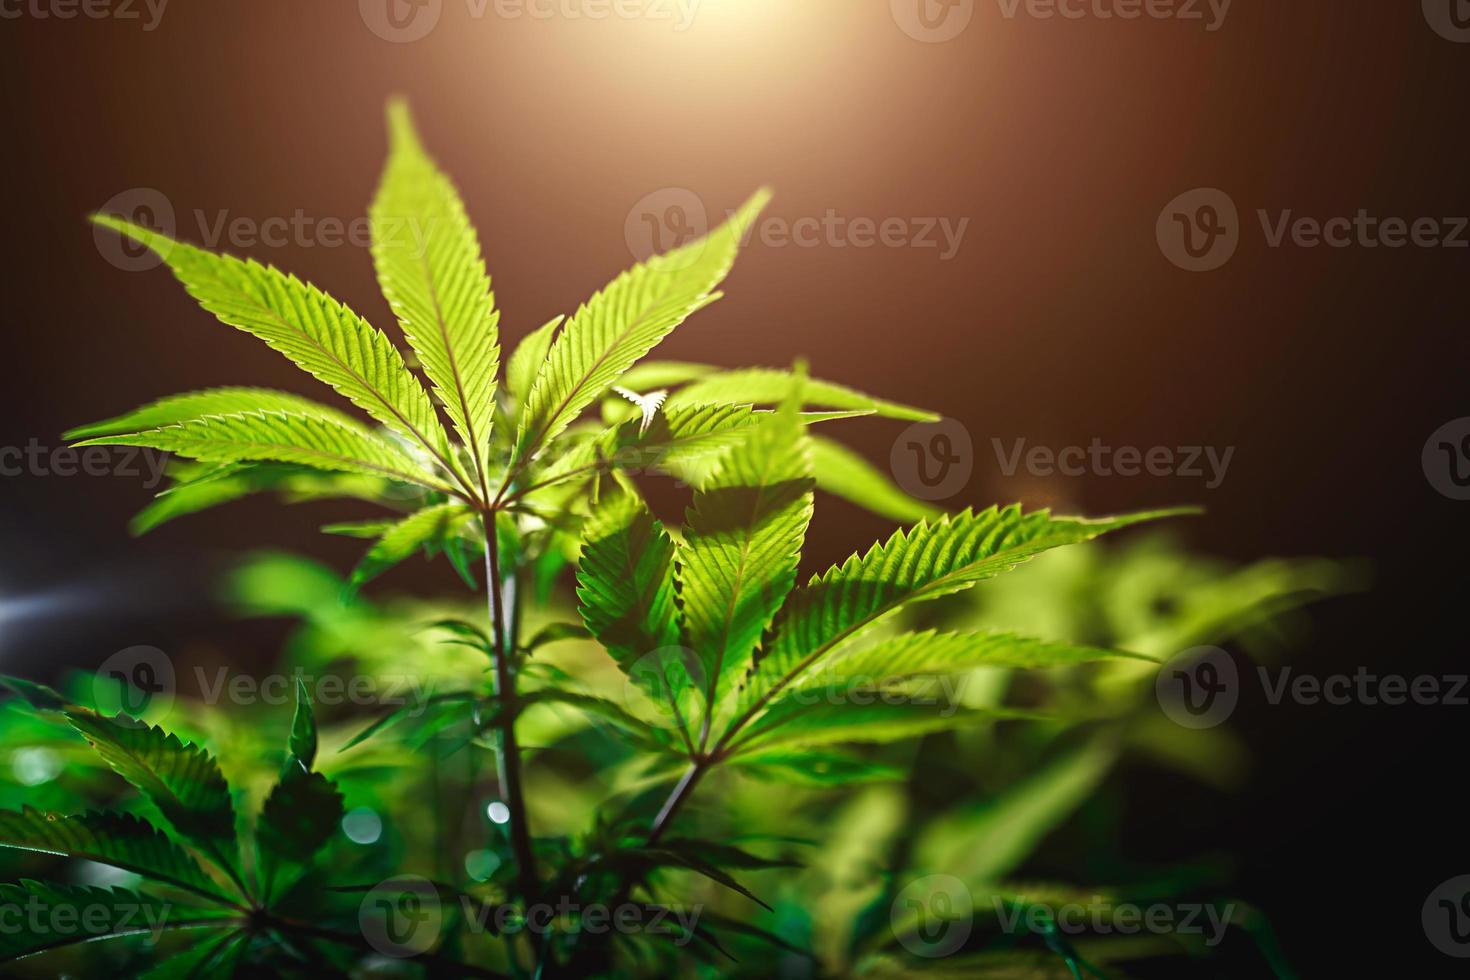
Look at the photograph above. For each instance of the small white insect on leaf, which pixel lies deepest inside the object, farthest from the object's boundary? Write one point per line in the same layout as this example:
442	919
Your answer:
647	404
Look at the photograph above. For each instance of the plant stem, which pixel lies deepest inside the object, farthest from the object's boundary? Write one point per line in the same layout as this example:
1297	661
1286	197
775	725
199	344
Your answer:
681	792
677	797
508	753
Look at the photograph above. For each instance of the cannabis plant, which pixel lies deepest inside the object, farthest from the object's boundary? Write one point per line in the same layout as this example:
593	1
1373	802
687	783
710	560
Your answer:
226	906
730	664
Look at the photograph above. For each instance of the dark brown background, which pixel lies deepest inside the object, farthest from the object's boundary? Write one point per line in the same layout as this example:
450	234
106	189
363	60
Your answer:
1059	320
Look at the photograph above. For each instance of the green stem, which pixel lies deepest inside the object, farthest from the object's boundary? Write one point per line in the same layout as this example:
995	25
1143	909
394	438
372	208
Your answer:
680	793
675	802
508	754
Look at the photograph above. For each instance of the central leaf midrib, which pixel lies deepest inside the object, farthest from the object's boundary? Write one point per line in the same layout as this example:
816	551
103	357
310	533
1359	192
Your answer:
324	454
454	372
744	552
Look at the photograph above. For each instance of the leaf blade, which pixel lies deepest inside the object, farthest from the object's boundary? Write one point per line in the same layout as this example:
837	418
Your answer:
529	355
768	386
797	721
430	268
173	409
203	961
118	839
1015	821
625	590
932	652
181	779
742	542
843	473
96	913
284	437
623	322
399	542
299	816
302	742
316	332
926	561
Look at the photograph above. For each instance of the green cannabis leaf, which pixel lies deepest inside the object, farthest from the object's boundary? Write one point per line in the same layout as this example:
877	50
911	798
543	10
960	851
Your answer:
100	913
121	840
181	779
318	333
924	562
282	436
429	265
299	817
623	322
742	540
625	582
